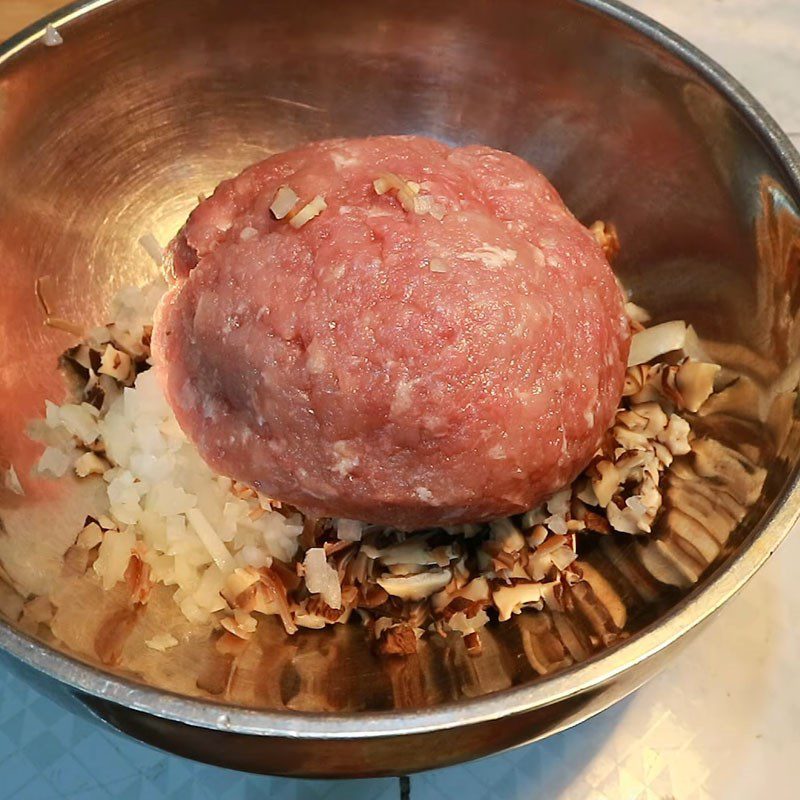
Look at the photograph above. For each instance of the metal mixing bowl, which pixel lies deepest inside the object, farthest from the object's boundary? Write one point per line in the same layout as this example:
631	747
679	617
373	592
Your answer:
149	102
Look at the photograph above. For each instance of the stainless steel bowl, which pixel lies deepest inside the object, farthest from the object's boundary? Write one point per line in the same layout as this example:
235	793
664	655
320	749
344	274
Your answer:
149	102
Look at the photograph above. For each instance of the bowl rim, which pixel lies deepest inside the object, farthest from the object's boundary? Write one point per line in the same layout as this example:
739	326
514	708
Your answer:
581	678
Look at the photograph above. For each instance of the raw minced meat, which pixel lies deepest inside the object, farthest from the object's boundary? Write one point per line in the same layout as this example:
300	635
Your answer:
426	336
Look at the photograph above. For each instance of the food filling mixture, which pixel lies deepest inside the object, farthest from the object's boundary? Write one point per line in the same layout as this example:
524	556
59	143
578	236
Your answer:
394	382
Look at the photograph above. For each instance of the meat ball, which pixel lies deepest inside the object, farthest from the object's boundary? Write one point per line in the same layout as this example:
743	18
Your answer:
392	330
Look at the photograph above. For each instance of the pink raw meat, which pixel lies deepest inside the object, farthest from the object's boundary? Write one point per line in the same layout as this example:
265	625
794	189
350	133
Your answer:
336	368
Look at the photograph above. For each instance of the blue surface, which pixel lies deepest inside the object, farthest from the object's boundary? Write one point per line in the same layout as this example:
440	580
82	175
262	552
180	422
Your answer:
47	752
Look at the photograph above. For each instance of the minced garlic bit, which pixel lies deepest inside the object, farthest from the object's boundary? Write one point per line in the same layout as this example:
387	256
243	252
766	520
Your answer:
408	195
284	201
308	212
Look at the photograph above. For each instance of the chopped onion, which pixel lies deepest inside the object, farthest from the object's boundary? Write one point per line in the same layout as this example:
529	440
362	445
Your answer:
11	480
562	557
426	204
80	421
559	502
114	555
557	524
652	342
692	346
406	190
153	248
284	201
507	535
90	536
308	212
161	642
53	462
322	578
349	530
208	593
210	539
637	313
636	505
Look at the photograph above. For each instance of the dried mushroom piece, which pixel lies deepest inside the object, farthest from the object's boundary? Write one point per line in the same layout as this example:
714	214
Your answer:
284	201
606	236
735	473
512	599
395	638
686	385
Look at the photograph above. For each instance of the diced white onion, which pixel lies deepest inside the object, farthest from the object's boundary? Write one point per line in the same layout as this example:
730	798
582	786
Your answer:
53	462
152	247
652	342
308	212
161	642
11	480
284	201
210	539
349	530
322	578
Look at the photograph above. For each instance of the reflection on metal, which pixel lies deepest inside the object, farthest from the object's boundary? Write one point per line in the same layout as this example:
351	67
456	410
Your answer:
150	102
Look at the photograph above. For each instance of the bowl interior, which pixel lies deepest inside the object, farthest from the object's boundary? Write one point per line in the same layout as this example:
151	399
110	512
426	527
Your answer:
149	103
